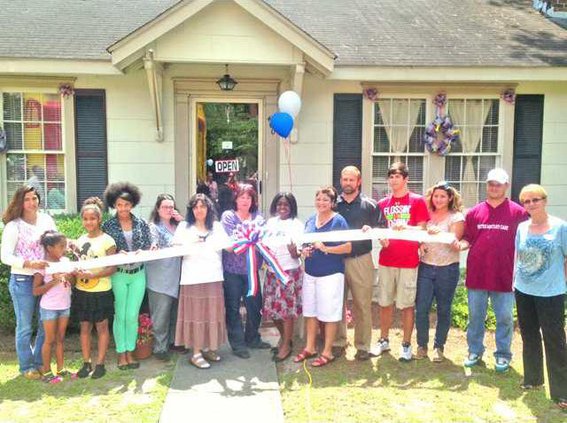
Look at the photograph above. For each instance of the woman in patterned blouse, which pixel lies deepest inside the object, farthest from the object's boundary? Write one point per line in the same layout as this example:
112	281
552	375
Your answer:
130	233
163	276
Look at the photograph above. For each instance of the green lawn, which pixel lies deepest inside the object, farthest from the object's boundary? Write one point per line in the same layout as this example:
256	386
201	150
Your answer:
120	396
385	390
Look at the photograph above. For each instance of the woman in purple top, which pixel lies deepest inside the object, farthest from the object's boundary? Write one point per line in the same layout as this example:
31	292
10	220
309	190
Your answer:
245	209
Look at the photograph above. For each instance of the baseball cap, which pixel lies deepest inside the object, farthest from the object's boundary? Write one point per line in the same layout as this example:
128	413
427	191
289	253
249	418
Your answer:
498	175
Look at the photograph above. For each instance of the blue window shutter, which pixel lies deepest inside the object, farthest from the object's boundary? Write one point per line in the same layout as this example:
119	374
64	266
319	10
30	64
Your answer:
91	144
528	130
347	134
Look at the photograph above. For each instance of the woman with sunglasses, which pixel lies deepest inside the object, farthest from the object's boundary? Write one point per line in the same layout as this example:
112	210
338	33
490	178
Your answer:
539	287
438	272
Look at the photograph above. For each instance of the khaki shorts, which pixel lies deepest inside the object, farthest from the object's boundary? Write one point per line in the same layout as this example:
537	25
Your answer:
396	285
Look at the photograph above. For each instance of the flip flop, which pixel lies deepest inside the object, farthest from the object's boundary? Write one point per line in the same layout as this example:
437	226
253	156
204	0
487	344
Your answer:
322	360
303	355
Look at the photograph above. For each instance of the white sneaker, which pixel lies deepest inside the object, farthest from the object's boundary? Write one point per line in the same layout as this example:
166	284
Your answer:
382	346
405	354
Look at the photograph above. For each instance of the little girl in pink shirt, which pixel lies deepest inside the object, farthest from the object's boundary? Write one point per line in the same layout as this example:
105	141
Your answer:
54	306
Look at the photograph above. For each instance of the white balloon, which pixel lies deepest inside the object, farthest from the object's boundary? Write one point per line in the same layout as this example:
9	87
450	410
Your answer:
289	102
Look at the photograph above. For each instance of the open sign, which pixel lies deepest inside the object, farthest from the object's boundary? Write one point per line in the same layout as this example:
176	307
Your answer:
226	166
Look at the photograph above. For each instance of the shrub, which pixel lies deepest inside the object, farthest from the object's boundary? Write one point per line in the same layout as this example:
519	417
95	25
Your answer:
71	226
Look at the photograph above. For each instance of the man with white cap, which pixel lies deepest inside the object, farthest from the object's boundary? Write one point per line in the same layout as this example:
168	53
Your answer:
490	230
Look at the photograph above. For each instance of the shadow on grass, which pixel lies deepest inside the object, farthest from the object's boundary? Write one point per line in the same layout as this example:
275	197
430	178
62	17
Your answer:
114	382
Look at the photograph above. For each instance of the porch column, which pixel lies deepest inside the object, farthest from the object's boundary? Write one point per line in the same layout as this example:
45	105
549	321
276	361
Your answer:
154	73
297	86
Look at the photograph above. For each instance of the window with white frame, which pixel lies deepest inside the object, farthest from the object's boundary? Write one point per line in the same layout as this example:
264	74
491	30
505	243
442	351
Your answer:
399	125
34	135
477	150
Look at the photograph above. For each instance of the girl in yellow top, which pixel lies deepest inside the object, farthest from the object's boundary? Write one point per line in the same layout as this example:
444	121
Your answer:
93	301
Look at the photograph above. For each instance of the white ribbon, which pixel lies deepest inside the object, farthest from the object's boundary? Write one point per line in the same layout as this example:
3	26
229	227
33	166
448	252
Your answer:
416	235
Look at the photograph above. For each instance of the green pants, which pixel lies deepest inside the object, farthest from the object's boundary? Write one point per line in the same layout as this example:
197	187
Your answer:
129	292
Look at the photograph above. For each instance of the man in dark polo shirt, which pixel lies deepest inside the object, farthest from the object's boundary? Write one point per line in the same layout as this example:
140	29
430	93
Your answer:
360	212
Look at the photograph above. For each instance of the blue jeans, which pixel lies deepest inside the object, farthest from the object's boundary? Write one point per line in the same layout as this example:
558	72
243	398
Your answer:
439	283
503	305
235	288
25	304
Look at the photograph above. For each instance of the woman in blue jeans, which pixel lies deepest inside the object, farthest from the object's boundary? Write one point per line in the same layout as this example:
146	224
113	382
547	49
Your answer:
438	273
235	283
22	251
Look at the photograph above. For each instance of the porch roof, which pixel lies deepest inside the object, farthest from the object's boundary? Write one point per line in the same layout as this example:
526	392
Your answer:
498	33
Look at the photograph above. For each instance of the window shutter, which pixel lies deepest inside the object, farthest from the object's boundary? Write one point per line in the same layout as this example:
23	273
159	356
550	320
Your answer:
347	133
91	148
528	131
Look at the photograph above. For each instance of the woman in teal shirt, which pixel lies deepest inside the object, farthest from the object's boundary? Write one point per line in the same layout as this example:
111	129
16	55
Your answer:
539	284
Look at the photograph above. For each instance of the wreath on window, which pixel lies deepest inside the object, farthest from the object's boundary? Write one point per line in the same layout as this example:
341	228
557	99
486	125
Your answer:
440	134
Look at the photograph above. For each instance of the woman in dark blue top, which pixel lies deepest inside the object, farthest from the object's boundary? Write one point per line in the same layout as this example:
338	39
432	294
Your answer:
323	283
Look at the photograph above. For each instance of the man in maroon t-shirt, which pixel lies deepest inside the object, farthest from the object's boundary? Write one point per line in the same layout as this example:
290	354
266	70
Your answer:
490	230
398	261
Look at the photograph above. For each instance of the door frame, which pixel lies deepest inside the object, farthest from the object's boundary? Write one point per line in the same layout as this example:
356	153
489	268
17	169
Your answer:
193	135
262	91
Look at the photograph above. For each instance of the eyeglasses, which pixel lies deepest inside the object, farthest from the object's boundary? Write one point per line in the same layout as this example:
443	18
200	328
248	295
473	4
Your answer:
167	207
532	201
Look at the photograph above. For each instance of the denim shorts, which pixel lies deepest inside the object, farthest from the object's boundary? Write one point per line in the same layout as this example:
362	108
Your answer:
53	314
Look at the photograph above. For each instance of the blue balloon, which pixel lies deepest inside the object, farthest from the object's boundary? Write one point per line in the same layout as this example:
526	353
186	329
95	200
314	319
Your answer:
281	123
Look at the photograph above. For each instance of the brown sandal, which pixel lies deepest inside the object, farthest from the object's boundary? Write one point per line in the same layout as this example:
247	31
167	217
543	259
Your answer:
211	355
199	362
303	355
322	360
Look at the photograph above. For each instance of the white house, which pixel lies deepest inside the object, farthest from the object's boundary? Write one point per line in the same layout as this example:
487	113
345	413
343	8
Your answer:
107	90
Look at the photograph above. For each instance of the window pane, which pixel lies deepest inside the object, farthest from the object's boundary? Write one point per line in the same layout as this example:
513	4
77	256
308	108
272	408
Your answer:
16	168
378	118
416	140
12	188
492	118
400	110
14	135
52	136
486	164
453	168
55	196
380	168
32	107
421	115
381	143
51	108
33	136
55	167
12	104
490	139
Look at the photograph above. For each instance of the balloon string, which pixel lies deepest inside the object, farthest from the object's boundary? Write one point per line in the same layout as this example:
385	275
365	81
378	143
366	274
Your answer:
287	147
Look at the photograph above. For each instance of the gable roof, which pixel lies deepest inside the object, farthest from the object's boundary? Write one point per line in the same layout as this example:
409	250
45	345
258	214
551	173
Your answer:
359	32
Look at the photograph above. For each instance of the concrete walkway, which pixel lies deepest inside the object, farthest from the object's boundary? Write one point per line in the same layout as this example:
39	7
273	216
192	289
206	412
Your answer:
234	390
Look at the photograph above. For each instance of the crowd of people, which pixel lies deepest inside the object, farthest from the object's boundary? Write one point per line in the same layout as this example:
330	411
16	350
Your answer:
516	255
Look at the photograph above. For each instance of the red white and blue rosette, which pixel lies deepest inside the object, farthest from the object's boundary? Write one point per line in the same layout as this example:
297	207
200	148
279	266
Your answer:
247	239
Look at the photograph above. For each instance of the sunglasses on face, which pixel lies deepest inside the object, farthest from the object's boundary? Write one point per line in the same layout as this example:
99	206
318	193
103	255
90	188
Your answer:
442	184
532	201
